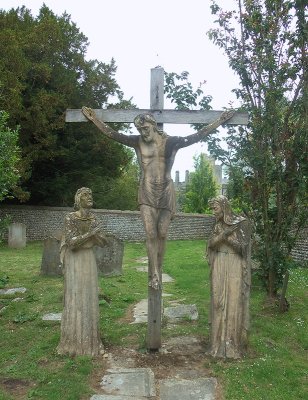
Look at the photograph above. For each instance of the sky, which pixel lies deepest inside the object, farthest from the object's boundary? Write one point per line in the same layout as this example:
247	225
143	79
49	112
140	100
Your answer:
142	34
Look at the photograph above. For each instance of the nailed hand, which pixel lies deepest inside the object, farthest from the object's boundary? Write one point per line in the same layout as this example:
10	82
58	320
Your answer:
88	113
227	115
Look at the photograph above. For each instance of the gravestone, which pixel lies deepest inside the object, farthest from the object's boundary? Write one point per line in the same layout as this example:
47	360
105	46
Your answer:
109	258
17	235
51	264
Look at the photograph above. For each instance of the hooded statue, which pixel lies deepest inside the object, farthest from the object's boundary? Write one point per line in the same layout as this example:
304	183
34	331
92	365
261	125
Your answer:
228	254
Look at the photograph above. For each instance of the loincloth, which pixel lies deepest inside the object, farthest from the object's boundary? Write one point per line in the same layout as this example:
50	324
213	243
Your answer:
157	194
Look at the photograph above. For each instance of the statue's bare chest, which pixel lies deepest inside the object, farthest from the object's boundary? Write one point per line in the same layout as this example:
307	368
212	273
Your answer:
152	152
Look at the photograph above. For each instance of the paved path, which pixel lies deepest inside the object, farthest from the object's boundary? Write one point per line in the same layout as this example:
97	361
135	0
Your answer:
176	372
179	364
139	383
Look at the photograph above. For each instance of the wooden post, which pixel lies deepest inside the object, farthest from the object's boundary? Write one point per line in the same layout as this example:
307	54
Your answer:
157	91
283	305
155	295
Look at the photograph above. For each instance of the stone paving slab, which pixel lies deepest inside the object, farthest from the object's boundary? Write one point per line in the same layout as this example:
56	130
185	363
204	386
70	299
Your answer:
181	389
142	260
183	345
174	314
111	397
165	277
13	290
52	317
136	382
140	312
181	311
142	269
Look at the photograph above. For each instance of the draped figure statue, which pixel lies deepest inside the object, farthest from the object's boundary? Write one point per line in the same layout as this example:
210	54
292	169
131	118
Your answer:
230	275
80	317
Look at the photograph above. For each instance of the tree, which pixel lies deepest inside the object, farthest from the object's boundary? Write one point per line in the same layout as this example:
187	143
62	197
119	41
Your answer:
43	71
201	186
9	157
120	193
266	44
181	92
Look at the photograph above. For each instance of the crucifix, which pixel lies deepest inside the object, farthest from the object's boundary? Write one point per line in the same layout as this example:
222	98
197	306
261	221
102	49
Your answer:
155	152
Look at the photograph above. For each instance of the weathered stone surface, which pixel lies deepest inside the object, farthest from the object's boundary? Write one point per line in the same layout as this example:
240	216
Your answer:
52	317
109	258
197	389
137	382
126	225
142	260
165	277
111	397
228	251
181	311
142	269
80	334
17	299
51	265
13	290
17	235
184	345
140	312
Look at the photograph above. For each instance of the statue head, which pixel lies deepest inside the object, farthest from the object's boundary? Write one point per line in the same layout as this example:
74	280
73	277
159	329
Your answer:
222	209
141	119
83	198
147	126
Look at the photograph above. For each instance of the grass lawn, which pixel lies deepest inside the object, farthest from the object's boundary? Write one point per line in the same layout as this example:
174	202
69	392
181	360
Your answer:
275	368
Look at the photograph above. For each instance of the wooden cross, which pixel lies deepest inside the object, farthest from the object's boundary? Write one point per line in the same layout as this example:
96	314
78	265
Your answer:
161	116
157	109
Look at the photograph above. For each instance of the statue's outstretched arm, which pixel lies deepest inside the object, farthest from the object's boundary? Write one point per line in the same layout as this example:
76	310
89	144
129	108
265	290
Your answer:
89	113
200	135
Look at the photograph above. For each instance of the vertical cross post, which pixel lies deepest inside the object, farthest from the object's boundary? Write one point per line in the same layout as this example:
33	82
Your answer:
155	295
157	91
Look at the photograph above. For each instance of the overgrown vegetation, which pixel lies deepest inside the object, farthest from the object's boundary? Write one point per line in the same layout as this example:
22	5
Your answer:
201	187
275	365
43	72
9	157
266	46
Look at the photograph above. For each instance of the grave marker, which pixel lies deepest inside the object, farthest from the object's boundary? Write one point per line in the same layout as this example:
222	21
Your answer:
17	235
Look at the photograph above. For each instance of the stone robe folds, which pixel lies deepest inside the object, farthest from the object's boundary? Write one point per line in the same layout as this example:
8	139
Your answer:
80	318
157	195
230	288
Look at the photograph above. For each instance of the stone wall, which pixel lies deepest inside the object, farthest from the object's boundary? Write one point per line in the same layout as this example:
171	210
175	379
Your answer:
43	222
300	251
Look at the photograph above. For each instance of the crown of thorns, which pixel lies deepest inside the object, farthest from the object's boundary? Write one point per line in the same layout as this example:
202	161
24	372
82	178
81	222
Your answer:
141	119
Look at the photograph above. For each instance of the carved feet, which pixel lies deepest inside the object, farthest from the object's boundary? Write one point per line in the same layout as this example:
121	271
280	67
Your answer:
154	282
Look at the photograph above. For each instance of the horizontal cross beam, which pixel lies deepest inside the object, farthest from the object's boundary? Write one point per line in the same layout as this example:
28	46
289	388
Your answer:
161	116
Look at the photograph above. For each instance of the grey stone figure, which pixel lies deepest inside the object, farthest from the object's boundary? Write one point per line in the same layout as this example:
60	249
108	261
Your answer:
80	318
156	152
229	258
